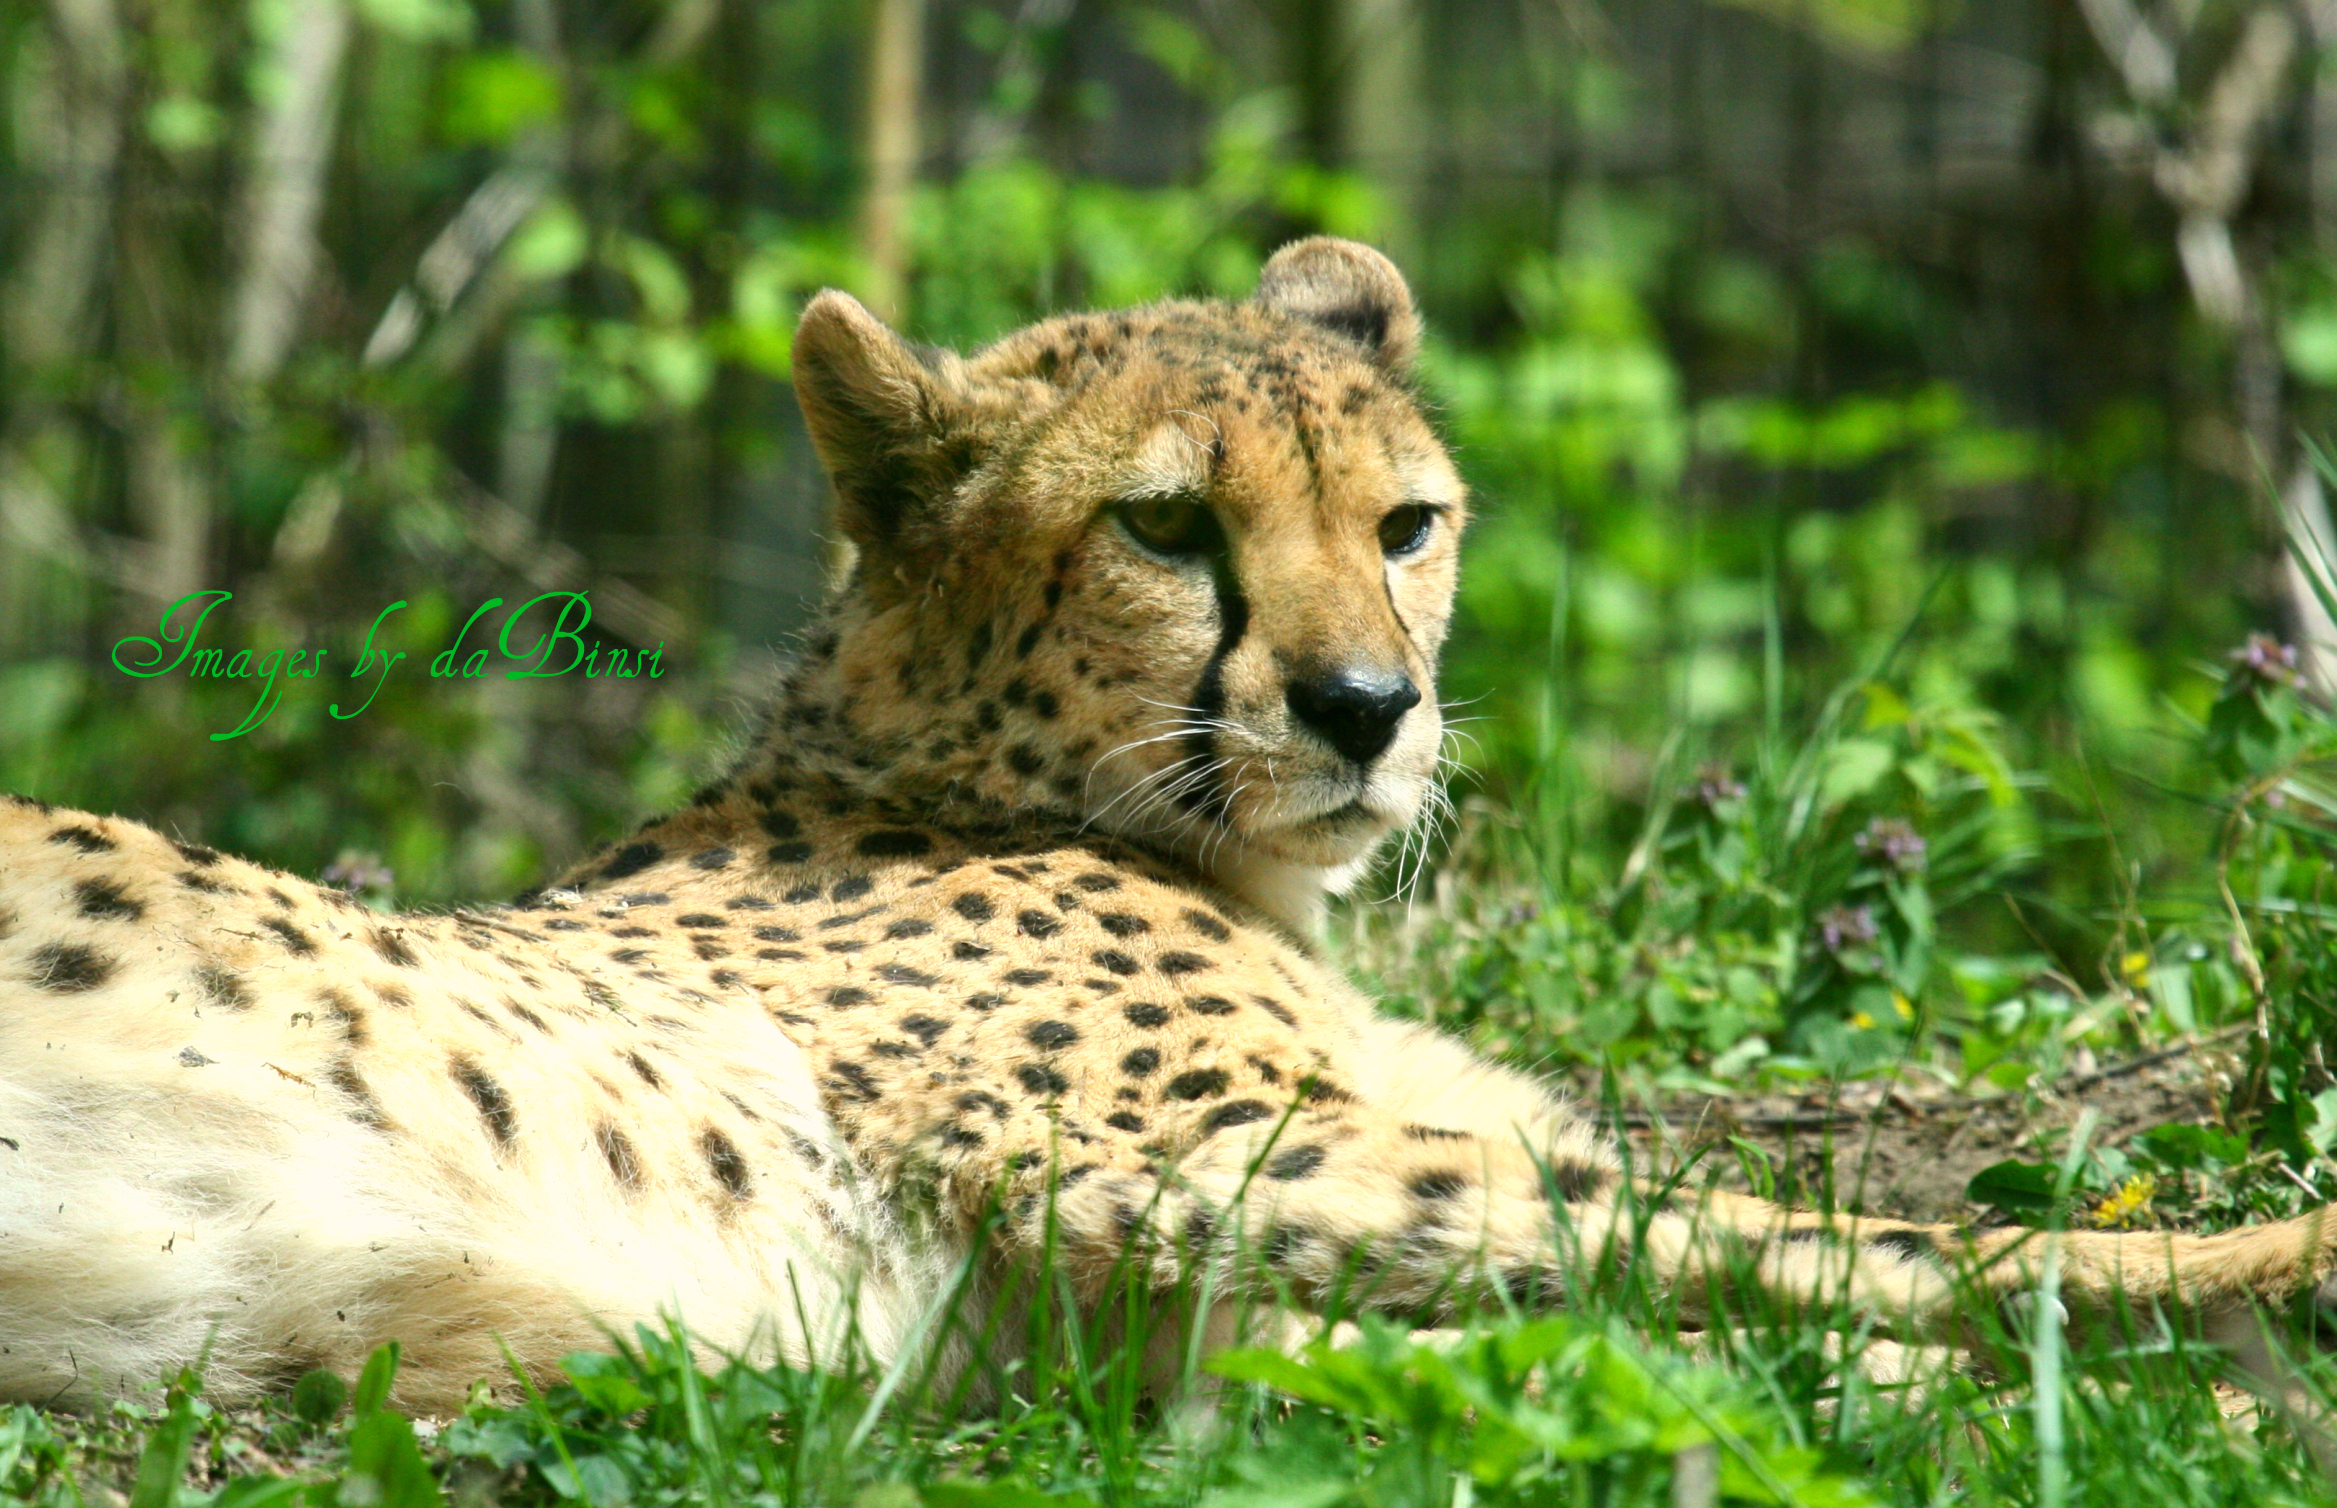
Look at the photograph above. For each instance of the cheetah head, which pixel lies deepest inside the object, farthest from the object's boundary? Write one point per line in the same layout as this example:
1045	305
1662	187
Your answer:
1180	572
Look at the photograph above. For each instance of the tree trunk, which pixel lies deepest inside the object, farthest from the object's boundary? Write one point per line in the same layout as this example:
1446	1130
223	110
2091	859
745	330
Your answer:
284	195
893	144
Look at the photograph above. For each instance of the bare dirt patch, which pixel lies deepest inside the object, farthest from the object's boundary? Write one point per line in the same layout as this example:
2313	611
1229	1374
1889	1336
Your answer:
1906	1150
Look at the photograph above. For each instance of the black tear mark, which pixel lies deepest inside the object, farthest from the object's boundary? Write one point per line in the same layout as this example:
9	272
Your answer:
494	1104
1207	797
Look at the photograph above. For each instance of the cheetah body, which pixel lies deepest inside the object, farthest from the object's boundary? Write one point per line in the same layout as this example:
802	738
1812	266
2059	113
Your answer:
995	941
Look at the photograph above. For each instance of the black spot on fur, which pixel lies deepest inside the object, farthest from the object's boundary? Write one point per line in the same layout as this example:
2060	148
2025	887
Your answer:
1141	1062
391	947
1048	1036
846	994
1198	1084
1097	881
908	926
1434	1133
712	858
777	934
968	951
103	900
364	1109
196	853
985	1001
857	1081
973	907
699	919
1176	964
1578	1180
924	1028
1145	1013
296	942
1121	924
1036	924
494	1104
1026	978
1276	1009
617	1150
1211	1005
1237	1113
788	853
1041	1080
1124	1120
901	973
640	1065
895	844
1438	1185
87	839
730	1169
851	888
223	987
1205	924
631	860
1028	640
1910	1244
69	968
1297	1163
1115	961
194	881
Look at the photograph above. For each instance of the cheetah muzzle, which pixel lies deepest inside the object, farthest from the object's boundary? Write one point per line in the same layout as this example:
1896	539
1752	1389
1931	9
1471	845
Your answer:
1002	924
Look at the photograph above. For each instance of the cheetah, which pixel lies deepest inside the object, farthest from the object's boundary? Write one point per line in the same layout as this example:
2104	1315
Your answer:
999	939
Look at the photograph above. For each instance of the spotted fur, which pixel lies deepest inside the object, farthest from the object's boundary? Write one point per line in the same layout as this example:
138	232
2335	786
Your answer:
1005	920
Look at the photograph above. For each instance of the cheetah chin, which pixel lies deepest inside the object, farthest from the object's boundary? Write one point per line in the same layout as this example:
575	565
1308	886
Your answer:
997	941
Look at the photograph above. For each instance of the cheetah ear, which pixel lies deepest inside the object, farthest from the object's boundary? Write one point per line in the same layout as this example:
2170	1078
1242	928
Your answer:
884	417
1348	289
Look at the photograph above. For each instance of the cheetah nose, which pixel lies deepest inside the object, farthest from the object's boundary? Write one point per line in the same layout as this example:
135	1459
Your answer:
1355	708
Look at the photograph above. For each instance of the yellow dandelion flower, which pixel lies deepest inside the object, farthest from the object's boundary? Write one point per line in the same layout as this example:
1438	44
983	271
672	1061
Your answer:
2129	1203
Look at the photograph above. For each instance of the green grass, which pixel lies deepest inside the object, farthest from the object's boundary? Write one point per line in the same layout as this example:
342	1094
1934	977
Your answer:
1821	905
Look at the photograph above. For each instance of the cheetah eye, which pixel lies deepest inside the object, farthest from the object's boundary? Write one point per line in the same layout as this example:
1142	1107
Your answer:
1177	524
1404	530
